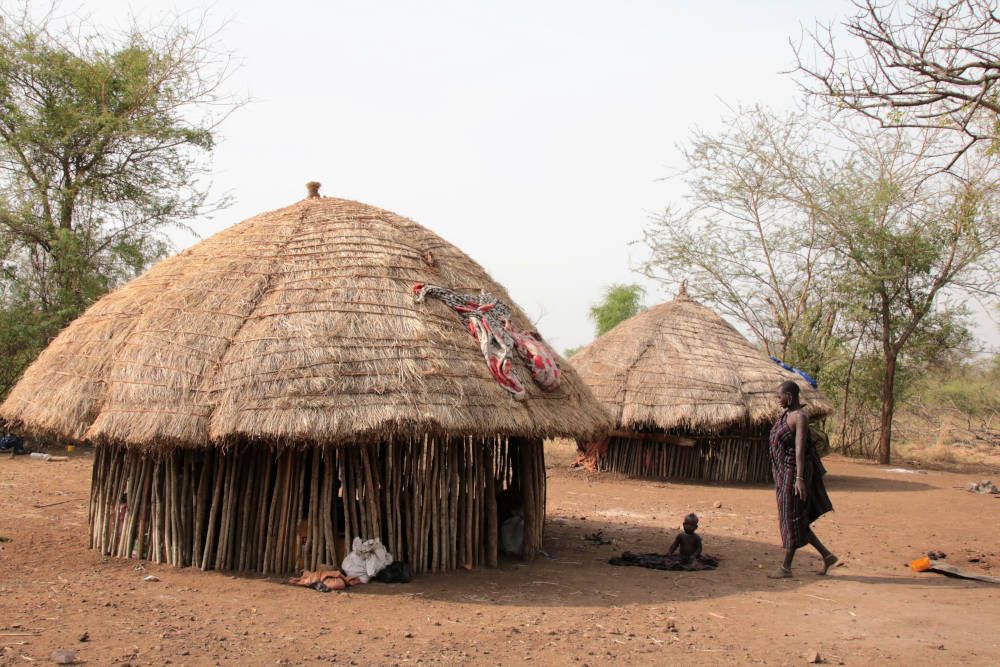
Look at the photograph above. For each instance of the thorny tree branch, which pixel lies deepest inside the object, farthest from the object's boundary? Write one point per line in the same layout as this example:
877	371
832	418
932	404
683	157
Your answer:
934	66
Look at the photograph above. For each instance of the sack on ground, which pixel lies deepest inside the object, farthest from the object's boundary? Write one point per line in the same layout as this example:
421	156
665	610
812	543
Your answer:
366	559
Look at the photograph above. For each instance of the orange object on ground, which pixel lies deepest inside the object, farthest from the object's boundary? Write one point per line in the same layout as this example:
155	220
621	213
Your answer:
922	564
333	579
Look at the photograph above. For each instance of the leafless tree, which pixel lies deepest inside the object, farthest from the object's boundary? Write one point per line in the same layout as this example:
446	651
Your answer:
746	240
923	64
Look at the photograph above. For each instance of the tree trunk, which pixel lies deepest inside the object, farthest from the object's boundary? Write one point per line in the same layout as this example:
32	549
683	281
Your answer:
888	406
847	391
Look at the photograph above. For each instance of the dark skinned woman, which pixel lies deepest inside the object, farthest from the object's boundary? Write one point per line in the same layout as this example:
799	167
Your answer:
798	481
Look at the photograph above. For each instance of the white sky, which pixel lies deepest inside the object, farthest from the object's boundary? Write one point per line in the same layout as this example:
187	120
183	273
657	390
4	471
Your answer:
533	135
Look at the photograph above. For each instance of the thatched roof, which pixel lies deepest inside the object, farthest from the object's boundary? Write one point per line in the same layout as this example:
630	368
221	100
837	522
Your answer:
297	325
679	364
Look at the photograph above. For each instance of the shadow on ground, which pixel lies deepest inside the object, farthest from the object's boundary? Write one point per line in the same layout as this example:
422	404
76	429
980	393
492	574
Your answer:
839	482
577	573
861	483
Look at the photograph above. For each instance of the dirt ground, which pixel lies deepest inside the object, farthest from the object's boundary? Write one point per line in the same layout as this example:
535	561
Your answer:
569	608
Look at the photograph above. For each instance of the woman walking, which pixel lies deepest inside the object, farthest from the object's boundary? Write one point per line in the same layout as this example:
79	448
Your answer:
798	481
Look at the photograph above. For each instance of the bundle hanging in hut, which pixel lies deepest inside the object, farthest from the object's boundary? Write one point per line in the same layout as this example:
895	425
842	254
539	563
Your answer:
263	397
690	396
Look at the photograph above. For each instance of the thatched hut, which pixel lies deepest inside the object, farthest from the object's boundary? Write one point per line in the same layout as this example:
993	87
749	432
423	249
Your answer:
263	397
690	396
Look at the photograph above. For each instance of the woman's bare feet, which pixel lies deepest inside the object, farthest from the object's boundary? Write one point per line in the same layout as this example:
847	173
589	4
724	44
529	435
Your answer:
828	561
781	573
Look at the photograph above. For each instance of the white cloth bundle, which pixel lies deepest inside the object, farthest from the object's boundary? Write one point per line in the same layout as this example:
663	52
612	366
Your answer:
366	559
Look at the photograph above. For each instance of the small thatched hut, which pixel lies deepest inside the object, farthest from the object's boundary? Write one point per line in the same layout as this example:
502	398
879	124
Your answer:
263	397
690	396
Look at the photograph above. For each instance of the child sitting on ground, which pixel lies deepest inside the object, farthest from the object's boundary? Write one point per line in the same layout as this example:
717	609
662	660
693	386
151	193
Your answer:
688	542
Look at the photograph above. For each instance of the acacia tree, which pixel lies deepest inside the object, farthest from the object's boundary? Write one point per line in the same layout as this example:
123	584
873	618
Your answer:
104	146
925	64
904	239
746	240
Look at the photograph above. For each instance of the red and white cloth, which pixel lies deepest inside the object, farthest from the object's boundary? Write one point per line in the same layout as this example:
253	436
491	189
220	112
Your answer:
487	319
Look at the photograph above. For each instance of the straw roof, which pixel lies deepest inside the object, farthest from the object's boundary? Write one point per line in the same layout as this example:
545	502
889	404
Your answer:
679	364
295	325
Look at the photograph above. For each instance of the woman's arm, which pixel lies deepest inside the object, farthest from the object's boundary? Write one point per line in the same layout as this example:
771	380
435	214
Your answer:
801	425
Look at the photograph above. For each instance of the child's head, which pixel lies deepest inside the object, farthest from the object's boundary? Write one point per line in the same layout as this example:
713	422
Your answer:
690	523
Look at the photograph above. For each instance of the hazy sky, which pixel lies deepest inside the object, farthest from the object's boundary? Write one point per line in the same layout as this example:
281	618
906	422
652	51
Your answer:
533	135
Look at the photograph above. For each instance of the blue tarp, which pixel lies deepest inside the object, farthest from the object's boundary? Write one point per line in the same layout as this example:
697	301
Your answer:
805	376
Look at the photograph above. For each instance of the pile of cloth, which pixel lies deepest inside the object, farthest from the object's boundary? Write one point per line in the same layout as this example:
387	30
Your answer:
366	560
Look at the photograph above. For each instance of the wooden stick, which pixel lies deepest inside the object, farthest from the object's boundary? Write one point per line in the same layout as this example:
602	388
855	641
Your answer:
111	502
370	495
396	505
96	493
314	536
208	551
328	514
345	496
255	560
437	491
183	515
250	488
201	507
157	538
452	540
297	561
134	508
145	505
472	477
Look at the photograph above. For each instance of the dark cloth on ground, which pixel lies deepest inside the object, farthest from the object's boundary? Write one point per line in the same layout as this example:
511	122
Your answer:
666	561
12	443
396	572
794	514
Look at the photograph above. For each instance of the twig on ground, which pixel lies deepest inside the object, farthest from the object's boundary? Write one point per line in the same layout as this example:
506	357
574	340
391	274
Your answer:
61	502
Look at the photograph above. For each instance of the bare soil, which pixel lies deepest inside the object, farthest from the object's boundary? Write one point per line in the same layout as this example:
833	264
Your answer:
568	608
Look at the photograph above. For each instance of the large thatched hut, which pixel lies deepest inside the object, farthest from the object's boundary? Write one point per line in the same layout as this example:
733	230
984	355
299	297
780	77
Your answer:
263	397
690	396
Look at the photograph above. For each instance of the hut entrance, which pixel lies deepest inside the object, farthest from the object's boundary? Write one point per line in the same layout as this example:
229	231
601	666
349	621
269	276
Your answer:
432	502
736	455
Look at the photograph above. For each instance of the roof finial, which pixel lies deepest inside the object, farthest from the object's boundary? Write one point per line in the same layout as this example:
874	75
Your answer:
313	188
682	293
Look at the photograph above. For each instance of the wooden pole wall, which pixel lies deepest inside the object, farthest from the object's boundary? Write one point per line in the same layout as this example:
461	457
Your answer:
736	456
432	502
